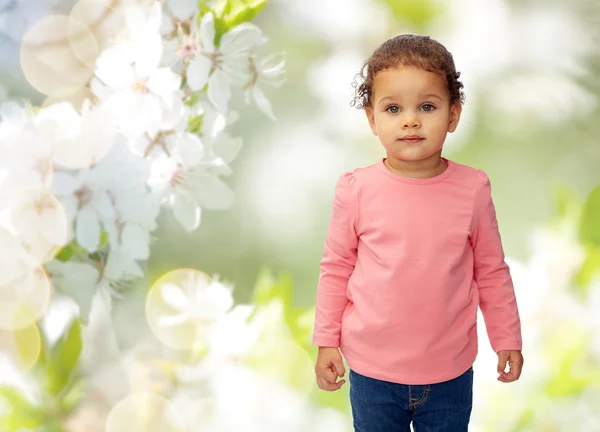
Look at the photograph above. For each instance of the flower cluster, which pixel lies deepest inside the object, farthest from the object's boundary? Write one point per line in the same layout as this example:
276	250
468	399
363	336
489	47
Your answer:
81	186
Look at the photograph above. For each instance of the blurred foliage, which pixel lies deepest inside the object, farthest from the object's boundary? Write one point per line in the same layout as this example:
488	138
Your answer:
419	13
589	235
299	322
59	386
230	13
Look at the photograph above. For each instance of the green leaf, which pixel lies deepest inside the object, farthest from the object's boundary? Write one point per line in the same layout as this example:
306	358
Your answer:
195	124
589	228
64	358
230	13
73	396
16	412
192	99
73	249
65	253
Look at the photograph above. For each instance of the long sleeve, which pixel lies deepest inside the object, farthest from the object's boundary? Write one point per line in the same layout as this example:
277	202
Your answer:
337	264
497	299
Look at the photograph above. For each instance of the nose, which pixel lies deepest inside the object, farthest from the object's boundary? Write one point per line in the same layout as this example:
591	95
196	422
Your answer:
410	121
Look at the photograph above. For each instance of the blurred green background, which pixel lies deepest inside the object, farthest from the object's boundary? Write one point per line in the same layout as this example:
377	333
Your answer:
531	72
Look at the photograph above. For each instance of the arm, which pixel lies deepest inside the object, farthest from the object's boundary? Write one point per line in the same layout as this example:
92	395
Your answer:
497	299
337	264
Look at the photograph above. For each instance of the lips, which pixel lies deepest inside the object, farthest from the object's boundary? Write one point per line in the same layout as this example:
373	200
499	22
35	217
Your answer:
412	139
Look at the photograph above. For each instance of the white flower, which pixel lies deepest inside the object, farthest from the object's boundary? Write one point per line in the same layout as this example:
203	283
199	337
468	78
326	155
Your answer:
228	63
187	188
133	86
24	158
42	224
76	141
181	14
86	203
217	142
172	139
24	287
83	280
198	299
268	71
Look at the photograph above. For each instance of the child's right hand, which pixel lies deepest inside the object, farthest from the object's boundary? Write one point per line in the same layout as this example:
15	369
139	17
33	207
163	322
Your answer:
328	368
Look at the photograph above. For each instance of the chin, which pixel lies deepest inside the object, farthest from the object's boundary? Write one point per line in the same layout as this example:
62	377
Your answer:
413	155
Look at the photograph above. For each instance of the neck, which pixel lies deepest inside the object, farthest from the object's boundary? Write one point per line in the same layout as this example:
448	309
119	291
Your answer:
420	169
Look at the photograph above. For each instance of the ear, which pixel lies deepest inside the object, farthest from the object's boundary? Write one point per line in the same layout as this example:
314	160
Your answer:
371	118
455	112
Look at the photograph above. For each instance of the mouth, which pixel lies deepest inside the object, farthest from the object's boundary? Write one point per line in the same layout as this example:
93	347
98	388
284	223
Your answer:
412	139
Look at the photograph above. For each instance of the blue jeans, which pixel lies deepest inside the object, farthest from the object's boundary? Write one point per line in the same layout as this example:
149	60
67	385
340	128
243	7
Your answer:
382	406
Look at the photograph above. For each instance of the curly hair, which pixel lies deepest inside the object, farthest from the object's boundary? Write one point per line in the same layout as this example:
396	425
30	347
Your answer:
408	50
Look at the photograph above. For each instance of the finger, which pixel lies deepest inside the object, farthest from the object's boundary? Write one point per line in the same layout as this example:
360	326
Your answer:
339	367
508	377
502	360
329	386
515	370
328	373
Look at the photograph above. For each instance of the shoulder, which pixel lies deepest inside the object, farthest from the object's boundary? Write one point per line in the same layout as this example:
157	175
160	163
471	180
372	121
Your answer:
475	176
351	181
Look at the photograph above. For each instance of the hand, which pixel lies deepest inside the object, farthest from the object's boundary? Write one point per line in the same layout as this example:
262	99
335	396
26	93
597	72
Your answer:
328	368
515	361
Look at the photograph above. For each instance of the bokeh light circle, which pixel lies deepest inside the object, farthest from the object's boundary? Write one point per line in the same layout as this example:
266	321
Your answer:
24	299
188	335
23	346
51	55
145	412
43	225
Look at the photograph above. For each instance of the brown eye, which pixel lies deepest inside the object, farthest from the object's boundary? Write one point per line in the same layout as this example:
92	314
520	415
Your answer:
427	107
393	109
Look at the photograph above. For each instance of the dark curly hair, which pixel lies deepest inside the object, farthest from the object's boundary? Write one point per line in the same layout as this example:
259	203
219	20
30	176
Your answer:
408	50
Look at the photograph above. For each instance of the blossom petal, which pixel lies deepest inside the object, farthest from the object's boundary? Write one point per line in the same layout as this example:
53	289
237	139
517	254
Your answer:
64	184
174	296
212	193
197	72
219	92
227	148
148	54
240	38
120	264
136	241
189	149
163	82
186	210
114	67
182	9
77	280
172	320
88	229
53	224
262	102
207	33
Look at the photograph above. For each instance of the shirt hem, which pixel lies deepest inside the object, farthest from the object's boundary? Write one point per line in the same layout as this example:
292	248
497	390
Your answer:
409	379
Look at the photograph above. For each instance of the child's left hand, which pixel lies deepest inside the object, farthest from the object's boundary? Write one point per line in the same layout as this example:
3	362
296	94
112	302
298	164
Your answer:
515	361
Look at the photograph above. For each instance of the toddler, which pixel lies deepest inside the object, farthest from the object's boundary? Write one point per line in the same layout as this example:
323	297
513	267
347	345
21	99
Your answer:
413	249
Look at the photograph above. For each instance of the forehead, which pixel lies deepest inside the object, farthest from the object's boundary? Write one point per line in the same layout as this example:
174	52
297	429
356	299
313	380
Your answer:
408	81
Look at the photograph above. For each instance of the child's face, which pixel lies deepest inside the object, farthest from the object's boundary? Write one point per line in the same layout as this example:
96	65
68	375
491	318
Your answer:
411	101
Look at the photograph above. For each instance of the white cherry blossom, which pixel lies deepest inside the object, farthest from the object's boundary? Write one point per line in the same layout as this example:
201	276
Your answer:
269	71
132	86
76	140
223	66
197	299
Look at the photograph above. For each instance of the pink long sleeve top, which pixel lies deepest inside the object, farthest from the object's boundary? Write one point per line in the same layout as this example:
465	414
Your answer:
406	264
